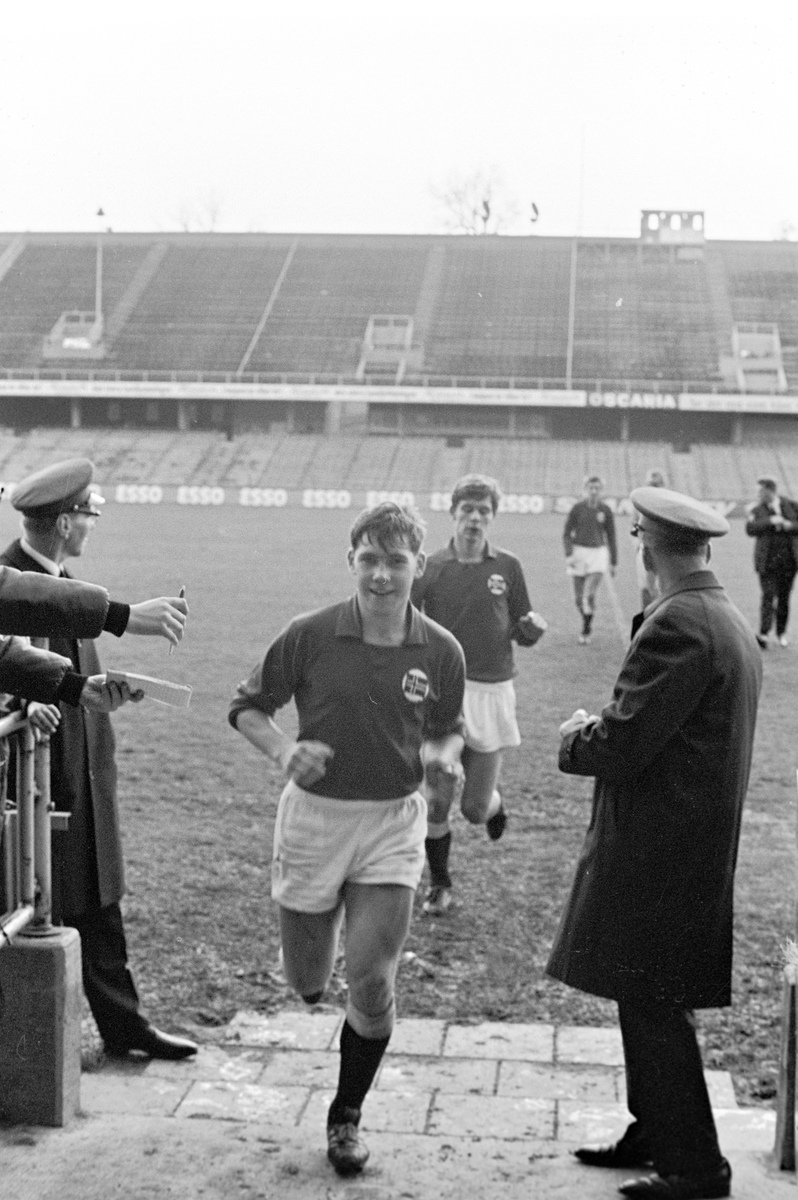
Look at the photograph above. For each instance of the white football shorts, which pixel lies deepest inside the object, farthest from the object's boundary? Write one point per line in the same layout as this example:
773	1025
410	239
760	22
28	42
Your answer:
489	712
588	560
322	843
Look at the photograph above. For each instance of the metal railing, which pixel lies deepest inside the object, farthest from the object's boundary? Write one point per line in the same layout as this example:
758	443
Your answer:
426	379
26	828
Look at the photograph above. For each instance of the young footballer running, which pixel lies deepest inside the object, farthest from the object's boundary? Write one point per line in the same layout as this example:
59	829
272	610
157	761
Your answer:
478	592
591	550
378	689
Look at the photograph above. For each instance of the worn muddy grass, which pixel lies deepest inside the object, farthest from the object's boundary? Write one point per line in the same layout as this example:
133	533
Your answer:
198	802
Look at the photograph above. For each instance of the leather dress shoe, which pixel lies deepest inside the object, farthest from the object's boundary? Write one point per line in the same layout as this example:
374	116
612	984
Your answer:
628	1152
155	1043
706	1185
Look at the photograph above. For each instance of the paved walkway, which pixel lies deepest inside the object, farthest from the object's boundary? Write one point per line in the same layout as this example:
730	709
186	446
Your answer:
480	1111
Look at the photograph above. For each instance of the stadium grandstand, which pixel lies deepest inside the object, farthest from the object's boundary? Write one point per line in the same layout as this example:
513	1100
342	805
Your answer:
368	363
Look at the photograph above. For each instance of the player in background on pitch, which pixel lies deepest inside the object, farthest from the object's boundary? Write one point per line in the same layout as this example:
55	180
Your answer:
647	580
591	550
378	689
478	592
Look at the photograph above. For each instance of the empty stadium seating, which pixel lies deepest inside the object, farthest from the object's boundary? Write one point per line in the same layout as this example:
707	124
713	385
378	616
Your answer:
201	308
494	308
51	277
502	309
642	313
237	310
320	316
762	282
361	464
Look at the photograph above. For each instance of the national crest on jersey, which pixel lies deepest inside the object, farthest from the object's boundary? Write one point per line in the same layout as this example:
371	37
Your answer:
497	585
415	686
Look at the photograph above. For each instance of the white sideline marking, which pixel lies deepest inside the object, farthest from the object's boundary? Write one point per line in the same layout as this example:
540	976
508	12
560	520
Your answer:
621	623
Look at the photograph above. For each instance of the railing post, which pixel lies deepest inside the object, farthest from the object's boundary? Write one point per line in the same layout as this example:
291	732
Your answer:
42	920
25	817
41	925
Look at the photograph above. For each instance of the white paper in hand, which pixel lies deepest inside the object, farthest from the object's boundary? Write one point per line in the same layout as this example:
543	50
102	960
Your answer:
162	690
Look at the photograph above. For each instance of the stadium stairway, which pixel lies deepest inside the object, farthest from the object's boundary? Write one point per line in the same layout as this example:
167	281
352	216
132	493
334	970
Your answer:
484	1110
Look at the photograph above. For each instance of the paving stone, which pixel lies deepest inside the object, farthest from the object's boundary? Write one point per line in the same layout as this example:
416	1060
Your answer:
213	1062
143	1158
738	1128
539	1081
414	1035
499	1117
746	1129
495	1039
585	1123
265	1136
457	1075
301	1068
243	1102
582	1044
477	1168
395	1112
295	1030
118	1092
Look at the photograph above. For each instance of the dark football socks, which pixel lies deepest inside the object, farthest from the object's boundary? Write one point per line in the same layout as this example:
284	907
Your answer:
438	858
360	1059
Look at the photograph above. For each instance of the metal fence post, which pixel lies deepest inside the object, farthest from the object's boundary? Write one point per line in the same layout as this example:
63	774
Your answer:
25	786
41	925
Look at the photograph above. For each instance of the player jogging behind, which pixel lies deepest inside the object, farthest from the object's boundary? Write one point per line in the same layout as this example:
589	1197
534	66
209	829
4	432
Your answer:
479	593
590	550
378	688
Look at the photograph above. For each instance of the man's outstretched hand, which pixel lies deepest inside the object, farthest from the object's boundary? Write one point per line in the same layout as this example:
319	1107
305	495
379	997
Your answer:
98	695
165	617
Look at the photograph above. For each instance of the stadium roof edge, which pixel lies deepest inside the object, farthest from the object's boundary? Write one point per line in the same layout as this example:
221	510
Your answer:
262	237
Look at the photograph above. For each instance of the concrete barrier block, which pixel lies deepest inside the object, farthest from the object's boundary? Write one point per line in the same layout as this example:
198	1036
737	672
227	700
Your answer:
41	986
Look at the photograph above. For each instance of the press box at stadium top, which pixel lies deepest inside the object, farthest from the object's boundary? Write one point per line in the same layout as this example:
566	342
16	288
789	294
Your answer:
667	337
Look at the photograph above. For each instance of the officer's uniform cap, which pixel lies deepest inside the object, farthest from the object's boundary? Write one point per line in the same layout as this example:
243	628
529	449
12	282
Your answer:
679	512
63	487
767	481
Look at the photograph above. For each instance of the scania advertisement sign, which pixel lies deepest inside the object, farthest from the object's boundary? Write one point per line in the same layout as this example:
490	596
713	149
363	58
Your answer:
232	390
632	400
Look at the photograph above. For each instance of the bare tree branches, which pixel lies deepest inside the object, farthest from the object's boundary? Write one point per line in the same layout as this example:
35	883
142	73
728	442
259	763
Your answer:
476	204
200	215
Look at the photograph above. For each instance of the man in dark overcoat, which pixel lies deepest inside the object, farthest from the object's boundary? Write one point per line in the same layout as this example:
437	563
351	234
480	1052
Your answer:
649	919
773	521
59	512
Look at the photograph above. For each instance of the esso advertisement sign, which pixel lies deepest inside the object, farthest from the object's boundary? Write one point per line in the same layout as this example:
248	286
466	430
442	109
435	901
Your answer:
404	498
200	495
512	502
252	497
515	502
326	498
138	493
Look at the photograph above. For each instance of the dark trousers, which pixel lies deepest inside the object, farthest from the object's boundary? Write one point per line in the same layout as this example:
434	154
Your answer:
107	981
776	587
666	1090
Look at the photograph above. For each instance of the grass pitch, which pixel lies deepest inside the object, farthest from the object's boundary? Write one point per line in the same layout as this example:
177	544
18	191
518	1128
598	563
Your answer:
198	802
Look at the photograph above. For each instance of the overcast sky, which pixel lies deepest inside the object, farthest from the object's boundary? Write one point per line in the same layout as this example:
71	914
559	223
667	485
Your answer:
348	116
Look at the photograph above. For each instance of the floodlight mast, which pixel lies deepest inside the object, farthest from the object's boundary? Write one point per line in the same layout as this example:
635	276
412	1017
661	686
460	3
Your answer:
98	277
